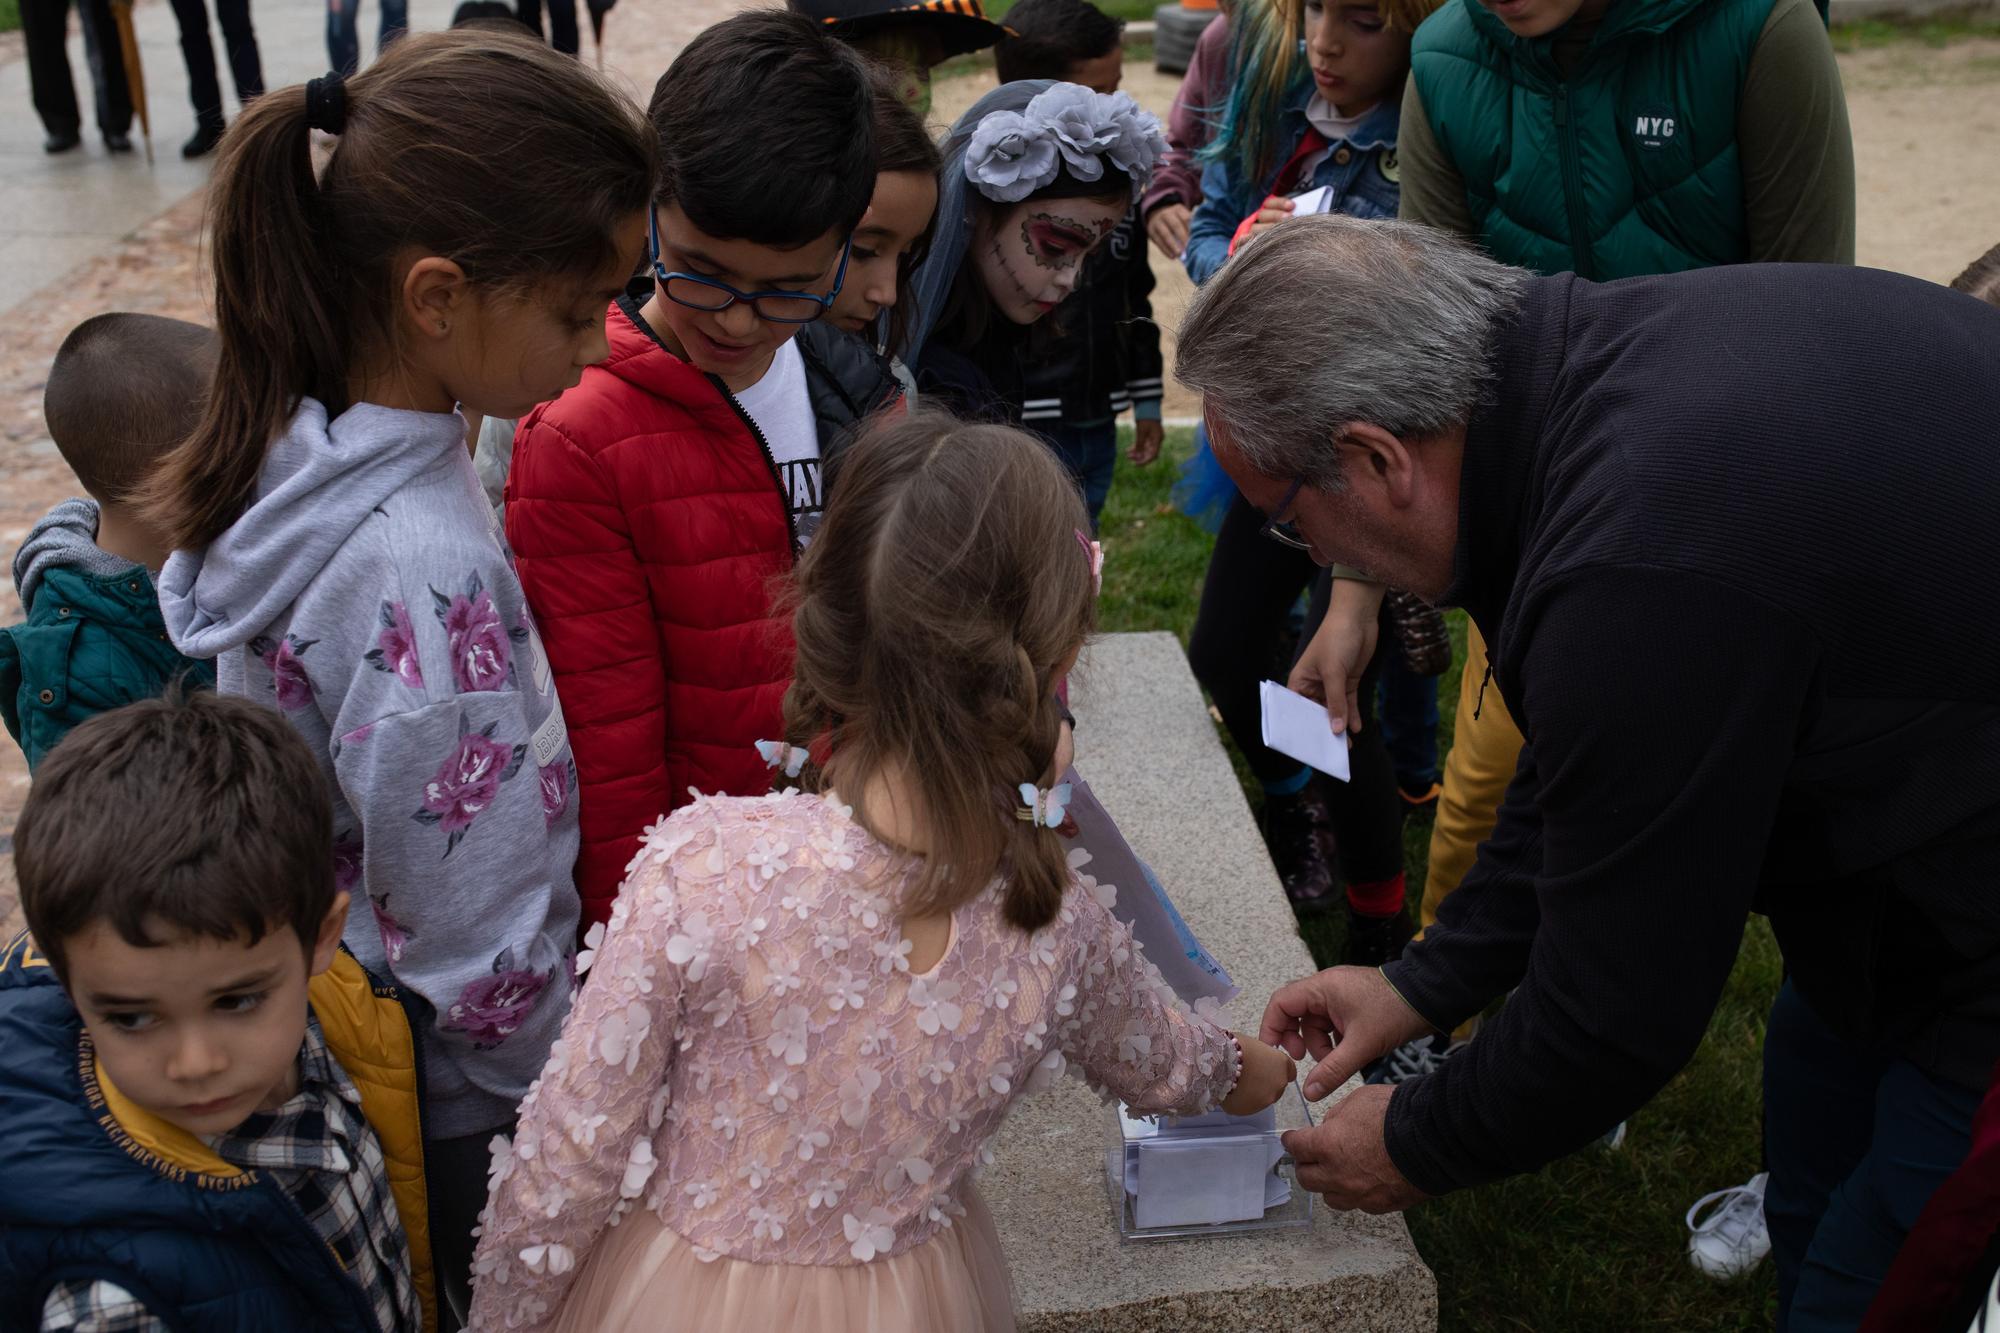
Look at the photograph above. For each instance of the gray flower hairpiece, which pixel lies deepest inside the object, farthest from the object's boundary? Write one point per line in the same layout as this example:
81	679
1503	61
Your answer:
1012	154
1008	159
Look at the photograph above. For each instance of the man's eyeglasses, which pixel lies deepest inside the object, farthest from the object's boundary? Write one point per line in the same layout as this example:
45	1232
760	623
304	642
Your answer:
1281	529
699	293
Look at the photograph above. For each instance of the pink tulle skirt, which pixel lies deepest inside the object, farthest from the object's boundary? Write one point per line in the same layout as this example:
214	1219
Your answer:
644	1278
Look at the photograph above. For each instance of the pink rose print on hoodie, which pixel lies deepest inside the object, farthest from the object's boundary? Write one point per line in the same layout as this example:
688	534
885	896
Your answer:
482	649
347	862
491	1009
395	935
288	673
396	647
557	779
467	781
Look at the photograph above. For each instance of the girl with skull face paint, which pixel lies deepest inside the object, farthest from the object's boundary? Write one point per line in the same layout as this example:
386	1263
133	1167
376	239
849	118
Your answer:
1037	175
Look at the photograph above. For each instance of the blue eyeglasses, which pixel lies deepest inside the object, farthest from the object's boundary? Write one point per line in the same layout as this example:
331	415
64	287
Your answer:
699	293
1283	530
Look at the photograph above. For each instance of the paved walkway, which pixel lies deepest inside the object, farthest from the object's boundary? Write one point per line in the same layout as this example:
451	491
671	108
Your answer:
63	211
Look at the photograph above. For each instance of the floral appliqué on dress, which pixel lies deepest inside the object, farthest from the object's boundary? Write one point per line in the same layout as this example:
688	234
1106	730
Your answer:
752	1059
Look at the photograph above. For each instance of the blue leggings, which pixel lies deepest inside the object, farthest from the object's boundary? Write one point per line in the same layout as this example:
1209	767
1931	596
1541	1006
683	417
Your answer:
1856	1145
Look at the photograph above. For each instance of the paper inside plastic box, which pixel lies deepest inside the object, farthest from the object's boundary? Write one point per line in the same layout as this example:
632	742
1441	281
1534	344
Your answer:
1209	1174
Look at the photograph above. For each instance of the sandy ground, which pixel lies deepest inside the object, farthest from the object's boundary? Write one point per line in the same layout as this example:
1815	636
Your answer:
1927	142
1926	145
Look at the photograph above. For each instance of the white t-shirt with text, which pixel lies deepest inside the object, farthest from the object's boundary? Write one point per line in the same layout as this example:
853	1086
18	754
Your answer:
783	412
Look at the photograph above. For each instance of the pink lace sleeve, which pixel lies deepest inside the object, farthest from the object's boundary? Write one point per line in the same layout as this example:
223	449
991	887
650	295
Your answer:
1131	1035
583	1151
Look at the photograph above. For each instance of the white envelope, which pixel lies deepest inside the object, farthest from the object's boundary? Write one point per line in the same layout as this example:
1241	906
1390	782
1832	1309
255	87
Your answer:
1199	1183
1297	727
1313	201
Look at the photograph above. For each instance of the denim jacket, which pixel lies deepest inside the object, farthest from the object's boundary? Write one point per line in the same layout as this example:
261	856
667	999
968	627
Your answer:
1361	169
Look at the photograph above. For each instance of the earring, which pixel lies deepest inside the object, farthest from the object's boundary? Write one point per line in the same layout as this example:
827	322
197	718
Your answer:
443	327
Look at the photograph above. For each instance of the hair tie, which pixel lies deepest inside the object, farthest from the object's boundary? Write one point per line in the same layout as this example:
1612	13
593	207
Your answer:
1047	807
326	104
777	754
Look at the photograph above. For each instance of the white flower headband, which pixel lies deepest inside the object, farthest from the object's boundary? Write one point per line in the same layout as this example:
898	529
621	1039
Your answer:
1012	154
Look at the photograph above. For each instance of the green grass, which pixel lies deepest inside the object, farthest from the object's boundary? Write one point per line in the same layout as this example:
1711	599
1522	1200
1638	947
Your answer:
1594	1243
1934	30
1129	10
10	15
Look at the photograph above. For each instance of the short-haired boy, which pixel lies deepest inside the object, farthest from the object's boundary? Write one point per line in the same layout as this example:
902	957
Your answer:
652	507
908	38
1070	40
211	1110
123	390
1100	353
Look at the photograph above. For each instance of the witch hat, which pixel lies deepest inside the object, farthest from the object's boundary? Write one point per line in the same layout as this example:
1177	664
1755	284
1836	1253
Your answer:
960	26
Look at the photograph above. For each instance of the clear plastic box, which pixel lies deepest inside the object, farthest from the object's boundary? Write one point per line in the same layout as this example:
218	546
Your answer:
1212	1175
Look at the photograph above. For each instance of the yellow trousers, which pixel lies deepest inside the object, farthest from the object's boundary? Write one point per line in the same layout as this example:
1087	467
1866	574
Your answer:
1484	751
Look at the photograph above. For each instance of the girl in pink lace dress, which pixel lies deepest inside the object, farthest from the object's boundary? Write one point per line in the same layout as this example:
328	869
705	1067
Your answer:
812	1010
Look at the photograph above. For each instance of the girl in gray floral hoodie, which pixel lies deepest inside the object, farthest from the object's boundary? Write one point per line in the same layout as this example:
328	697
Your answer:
337	558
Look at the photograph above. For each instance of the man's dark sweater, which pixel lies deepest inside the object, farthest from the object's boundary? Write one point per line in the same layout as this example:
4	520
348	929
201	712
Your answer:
1732	538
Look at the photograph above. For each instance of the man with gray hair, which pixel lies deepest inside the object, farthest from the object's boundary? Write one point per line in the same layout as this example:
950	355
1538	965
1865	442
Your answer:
1730	537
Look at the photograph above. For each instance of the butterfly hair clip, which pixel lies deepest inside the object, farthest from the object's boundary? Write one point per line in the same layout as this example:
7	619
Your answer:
1094	553
1046	807
777	754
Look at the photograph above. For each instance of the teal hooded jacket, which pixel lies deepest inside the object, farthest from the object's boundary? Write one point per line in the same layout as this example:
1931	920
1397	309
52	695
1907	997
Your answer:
93	639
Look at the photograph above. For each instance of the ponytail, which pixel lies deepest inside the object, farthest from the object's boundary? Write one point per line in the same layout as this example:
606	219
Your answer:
308	267
278	334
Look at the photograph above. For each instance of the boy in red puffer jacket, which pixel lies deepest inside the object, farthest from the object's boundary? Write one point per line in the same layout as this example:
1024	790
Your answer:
652	507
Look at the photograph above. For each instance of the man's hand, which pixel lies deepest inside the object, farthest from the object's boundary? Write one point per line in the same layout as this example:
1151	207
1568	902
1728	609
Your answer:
1343	1017
1345	1159
1167	225
1147	436
1330	668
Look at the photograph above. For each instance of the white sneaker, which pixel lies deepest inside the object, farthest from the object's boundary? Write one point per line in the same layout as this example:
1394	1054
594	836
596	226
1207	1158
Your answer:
1732	1239
1413	1059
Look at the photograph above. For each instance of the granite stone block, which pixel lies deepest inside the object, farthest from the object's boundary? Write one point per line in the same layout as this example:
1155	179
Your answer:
1149	749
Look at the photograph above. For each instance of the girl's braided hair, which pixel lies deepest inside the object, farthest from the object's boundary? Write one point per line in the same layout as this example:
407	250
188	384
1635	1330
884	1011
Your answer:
935	614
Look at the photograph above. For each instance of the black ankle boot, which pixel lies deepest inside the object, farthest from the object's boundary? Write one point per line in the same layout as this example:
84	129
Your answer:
206	136
1299	831
1375	940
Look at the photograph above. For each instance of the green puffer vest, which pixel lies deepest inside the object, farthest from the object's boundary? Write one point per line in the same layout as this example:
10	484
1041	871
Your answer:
1626	167
91	643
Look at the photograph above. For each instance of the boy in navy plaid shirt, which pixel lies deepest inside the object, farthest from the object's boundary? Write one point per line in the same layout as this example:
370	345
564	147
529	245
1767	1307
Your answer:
214	1109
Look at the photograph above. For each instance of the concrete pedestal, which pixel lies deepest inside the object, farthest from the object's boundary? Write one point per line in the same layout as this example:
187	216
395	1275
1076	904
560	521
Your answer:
1149	750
